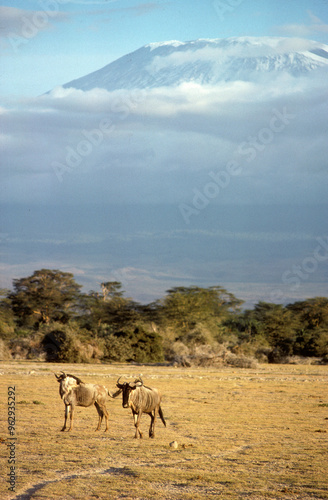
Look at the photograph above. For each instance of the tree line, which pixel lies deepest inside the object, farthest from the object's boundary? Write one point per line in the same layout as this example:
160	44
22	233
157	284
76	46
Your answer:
47	316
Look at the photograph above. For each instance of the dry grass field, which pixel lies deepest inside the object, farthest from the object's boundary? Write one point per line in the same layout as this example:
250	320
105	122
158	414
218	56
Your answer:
254	434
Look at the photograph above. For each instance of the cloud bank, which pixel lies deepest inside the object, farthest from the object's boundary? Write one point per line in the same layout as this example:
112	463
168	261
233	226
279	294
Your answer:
162	144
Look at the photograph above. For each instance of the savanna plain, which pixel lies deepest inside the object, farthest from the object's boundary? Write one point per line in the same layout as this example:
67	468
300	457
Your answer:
242	433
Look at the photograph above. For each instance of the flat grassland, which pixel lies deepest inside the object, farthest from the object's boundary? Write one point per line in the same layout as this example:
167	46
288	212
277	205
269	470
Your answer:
241	433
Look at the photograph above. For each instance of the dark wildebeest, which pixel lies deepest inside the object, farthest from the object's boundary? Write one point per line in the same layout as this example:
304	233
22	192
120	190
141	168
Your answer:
141	399
74	392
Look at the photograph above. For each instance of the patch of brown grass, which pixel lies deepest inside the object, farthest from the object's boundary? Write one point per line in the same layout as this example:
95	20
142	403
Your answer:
258	434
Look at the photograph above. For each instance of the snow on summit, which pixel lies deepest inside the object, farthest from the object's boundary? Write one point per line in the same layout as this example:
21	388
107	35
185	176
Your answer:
207	61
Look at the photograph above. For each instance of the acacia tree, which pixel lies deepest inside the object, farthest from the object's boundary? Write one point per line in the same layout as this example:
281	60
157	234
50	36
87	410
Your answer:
110	308
313	313
47	295
312	333
278	325
184	307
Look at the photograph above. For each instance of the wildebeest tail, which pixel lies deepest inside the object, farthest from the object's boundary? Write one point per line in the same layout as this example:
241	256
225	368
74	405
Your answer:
161	415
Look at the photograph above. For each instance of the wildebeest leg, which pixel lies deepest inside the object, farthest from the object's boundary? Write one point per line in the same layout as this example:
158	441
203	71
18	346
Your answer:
100	413
137	417
106	417
71	418
66	415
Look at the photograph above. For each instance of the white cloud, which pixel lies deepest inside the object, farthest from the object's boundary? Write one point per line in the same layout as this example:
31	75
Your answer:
268	46
161	144
314	26
27	23
188	97
295	30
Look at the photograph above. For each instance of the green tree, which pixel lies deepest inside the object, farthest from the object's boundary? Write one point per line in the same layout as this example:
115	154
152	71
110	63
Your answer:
247	327
312	333
7	322
47	295
184	307
111	290
109	308
139	345
278	326
312	313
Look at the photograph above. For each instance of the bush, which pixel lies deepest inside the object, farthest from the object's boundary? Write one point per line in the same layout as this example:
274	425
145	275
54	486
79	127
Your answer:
75	351
207	355
138	345
313	343
5	353
7	330
118	348
178	354
240	361
26	348
69	344
277	355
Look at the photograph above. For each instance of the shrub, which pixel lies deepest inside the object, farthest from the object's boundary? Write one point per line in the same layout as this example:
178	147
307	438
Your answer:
207	355
69	344
240	361
138	345
75	351
117	348
26	348
7	330
5	353
178	354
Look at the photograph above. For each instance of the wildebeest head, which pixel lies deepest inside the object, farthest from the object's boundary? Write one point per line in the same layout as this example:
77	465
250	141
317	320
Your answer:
63	376
60	377
127	388
67	382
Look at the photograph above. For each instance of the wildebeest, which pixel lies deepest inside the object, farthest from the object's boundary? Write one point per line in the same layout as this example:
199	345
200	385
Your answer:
74	392
141	399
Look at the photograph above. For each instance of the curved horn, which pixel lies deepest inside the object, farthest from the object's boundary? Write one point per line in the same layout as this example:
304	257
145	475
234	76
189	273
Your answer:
138	382
118	383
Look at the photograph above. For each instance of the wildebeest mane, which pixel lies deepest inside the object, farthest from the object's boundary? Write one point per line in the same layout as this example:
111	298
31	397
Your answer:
78	380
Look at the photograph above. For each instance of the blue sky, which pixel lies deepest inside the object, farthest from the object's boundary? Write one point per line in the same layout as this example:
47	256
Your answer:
117	215
50	42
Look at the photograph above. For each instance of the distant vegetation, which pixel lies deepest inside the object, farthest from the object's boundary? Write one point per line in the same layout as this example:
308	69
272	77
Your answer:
47	317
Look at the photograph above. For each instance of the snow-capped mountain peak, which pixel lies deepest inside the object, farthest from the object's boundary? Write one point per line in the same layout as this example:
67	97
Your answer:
207	61
172	43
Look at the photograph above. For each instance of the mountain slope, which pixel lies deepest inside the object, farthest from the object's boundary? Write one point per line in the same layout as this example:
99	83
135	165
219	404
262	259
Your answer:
206	61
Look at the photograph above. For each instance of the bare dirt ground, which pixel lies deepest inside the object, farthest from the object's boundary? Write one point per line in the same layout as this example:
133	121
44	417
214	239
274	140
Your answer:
241	433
